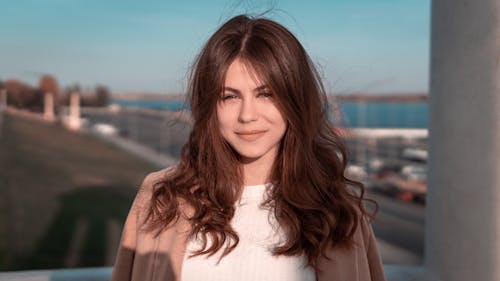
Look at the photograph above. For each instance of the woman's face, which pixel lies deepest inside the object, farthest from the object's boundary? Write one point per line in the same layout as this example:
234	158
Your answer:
248	117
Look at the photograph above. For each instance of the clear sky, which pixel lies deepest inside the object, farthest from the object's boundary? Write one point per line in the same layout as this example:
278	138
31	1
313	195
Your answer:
379	46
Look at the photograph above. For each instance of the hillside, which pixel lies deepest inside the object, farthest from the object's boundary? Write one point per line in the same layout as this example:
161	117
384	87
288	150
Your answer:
63	196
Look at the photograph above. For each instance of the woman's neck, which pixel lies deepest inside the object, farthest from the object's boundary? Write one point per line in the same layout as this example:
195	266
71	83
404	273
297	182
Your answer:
257	171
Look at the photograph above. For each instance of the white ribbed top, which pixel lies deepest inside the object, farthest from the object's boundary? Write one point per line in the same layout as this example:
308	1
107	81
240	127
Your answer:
251	259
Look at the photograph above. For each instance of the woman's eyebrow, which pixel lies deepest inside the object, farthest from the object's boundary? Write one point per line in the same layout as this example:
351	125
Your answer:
260	88
229	89
236	91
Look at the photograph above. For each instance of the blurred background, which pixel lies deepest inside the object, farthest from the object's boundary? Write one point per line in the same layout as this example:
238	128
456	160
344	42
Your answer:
92	99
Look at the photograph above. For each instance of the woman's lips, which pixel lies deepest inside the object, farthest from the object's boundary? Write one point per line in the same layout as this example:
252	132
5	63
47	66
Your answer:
250	135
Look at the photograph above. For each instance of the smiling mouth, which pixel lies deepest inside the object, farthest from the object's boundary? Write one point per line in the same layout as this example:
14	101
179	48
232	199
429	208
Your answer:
250	135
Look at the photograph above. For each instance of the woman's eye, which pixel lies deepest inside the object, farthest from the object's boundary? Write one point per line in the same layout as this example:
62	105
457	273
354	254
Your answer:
265	95
229	96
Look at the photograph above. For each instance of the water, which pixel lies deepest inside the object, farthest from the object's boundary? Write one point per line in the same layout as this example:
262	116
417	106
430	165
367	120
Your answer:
385	115
352	114
171	105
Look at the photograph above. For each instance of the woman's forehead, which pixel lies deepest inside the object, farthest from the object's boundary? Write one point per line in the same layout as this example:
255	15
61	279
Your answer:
243	71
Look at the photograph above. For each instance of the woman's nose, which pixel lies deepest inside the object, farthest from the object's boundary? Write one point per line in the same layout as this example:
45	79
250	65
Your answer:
248	111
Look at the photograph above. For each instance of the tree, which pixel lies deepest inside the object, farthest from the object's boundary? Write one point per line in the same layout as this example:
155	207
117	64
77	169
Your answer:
102	95
22	95
48	84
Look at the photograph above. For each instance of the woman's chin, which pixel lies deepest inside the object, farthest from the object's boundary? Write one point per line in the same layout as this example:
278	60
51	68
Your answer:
249	158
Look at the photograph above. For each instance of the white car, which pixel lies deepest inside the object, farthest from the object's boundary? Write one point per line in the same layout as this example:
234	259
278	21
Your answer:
105	129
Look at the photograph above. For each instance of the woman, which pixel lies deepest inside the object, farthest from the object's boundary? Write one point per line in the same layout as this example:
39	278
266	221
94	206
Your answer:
259	192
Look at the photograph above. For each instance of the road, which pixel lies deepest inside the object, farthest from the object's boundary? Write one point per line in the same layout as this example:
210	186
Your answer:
399	228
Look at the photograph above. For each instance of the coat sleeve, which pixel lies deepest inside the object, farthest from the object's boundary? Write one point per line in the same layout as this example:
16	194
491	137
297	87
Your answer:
372	253
361	262
124	262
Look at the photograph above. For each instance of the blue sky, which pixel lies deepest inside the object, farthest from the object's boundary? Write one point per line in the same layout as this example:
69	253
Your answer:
377	46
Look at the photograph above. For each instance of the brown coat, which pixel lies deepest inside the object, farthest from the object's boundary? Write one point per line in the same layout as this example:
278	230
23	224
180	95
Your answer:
144	257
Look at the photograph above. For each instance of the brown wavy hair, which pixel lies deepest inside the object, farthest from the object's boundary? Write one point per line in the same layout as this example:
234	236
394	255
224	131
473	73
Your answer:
314	203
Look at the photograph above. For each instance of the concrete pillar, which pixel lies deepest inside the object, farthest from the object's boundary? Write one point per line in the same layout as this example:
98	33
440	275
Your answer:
463	209
48	106
74	111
